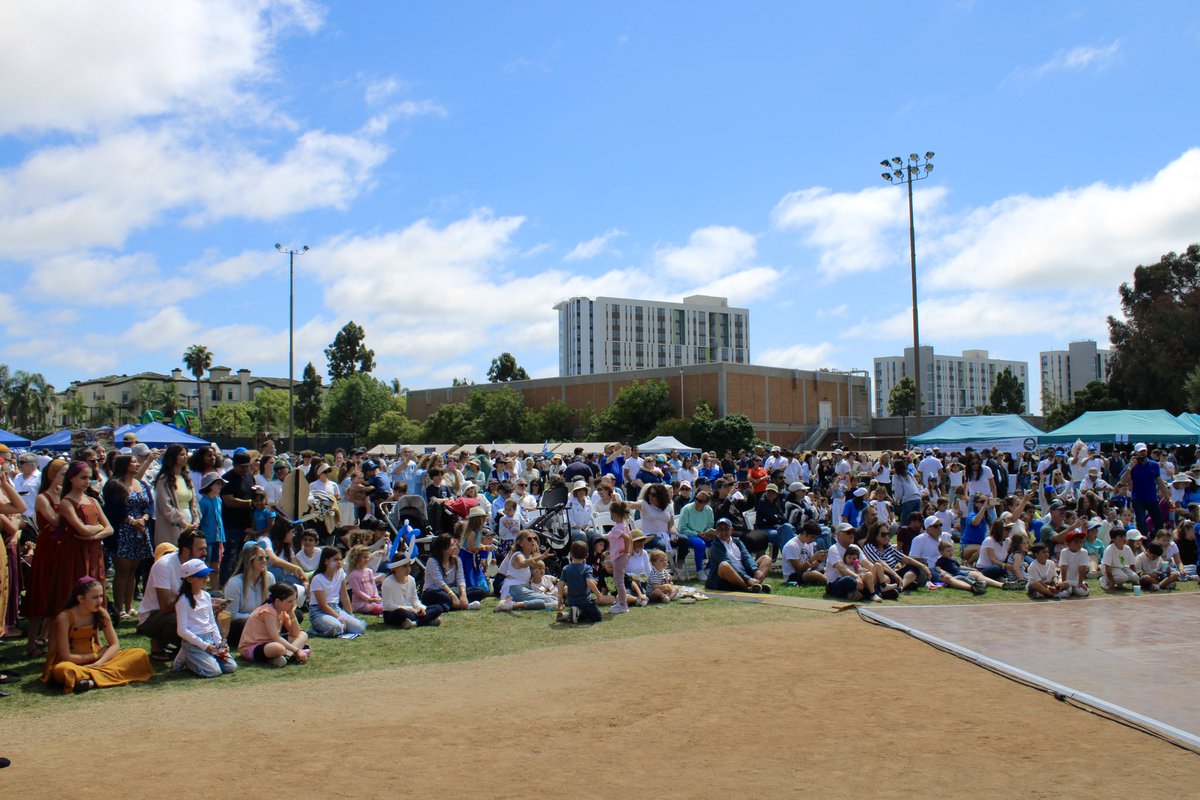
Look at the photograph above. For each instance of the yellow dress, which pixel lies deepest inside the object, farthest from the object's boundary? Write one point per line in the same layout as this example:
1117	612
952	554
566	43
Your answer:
126	666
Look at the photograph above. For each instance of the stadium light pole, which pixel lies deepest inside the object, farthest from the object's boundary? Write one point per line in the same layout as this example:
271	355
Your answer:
291	254
917	169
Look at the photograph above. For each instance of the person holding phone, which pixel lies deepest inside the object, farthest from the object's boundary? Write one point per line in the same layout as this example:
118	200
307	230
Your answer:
204	651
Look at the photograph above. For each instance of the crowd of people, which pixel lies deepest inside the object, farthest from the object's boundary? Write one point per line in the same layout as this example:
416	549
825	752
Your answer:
199	553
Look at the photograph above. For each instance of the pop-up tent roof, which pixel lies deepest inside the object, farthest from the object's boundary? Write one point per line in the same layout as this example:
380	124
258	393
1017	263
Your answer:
665	444
57	441
1190	421
156	434
12	440
1007	432
1152	427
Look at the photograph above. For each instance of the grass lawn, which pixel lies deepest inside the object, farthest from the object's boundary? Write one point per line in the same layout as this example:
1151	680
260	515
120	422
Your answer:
463	636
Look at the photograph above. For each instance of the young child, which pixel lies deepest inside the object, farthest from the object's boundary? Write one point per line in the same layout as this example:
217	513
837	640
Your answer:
951	573
364	594
308	556
854	560
1014	564
659	580
203	650
509	526
949	521
1043	576
1170	554
620	545
637	572
1074	564
1094	547
1151	565
544	585
1117	563
1136	542
328	599
1185	545
883	506
211	523
263	515
577	589
598	560
402	607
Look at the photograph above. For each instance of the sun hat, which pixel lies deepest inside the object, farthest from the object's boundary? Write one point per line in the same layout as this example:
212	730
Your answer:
579	485
163	549
209	479
772	488
636	535
476	511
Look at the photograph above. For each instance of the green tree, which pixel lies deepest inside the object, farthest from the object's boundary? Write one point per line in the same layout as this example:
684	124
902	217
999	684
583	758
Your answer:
394	428
902	400
270	410
1008	394
30	400
681	429
103	413
462	382
5	383
1096	396
230	419
1158	342
552	422
732	432
450	424
354	402
169	400
634	412
497	416
76	410
348	354
309	399
505	368
145	397
197	358
1191	390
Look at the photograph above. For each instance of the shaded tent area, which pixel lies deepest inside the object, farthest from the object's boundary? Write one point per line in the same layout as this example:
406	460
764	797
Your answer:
665	444
152	434
1151	427
1190	421
1008	432
13	440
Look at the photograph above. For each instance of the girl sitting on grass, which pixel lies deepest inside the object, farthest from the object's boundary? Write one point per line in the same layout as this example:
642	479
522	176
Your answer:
364	593
203	650
328	597
263	638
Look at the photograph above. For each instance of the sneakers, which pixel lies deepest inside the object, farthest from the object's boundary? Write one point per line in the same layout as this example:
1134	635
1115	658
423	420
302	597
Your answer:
616	609
765	588
702	575
1063	595
979	587
1105	584
890	593
408	623
643	601
687	599
277	661
1012	586
505	604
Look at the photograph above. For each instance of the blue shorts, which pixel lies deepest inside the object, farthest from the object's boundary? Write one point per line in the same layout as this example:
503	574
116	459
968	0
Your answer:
843	587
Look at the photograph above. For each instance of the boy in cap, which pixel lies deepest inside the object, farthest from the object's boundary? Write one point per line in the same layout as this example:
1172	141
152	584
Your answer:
1117	564
402	606
1074	563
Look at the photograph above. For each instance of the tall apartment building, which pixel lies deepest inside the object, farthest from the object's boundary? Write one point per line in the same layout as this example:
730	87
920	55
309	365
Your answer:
615	334
949	384
1066	372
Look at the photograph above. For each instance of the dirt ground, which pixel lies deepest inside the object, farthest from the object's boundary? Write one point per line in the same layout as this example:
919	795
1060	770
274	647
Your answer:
827	706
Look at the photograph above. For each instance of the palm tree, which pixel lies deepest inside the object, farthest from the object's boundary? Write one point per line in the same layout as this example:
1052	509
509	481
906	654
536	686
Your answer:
30	399
168	400
76	410
104	413
198	358
145	396
5	387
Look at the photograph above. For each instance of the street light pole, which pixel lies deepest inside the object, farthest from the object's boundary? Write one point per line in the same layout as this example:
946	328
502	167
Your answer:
917	169
291	254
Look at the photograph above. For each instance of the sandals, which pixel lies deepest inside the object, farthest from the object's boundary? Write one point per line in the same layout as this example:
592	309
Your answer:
36	650
84	685
10	677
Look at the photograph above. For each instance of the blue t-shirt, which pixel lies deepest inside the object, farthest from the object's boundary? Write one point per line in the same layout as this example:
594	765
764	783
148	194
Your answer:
264	518
852	513
211	524
576	576
1035	529
1144	477
975	534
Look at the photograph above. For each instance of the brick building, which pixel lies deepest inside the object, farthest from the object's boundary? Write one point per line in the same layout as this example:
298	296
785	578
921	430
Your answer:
788	407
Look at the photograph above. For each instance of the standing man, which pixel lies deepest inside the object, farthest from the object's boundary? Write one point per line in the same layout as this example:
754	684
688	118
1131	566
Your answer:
27	481
1146	481
236	513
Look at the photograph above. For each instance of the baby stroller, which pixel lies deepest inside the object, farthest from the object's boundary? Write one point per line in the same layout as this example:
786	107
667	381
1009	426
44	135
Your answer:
409	528
552	526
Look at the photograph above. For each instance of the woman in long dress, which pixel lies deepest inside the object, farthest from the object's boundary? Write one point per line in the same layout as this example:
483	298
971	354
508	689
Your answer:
37	604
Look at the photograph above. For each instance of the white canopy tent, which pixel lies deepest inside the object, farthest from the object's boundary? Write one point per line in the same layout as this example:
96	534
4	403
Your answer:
665	444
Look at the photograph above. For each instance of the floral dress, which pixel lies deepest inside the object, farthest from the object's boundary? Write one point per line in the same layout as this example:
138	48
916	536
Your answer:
132	543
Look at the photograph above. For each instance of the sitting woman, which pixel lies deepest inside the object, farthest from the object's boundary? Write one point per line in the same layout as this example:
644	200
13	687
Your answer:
515	591
445	582
328	597
203	651
401	606
263	637
76	660
247	588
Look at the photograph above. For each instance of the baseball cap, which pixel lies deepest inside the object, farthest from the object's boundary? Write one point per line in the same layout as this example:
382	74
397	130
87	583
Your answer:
1140	447
194	568
843	527
724	521
797	487
1075	535
241	459
1055	505
1094	522
860	492
369	465
684	485
140	450
772	488
129	438
932	520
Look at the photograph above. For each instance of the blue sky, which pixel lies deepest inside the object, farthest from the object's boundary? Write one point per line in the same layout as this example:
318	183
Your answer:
459	168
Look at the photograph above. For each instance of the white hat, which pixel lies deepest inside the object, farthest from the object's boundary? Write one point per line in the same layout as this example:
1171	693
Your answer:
932	520
844	526
682	485
194	568
577	485
797	487
860	492
400	562
1135	535
1140	447
837	452
529	502
776	449
1094	522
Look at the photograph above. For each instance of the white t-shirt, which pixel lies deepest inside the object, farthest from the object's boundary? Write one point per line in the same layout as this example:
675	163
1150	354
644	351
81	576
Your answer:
925	548
796	550
1118	559
992	552
947	520
1072	562
631	467
983	484
791	471
929	468
1145	564
1043	573
28	489
164	574
331	586
956	478
883	510
836	555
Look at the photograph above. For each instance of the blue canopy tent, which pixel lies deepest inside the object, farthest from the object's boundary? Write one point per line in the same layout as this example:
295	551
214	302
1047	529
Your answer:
1190	421
1008	432
1152	427
12	440
58	441
158	434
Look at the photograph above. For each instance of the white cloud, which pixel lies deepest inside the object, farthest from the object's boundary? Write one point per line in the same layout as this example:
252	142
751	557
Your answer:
593	247
1089	237
1077	59
711	253
89	65
853	231
798	356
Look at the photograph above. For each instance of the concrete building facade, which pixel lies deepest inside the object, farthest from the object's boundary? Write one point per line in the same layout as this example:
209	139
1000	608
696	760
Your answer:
614	334
949	384
786	406
1066	372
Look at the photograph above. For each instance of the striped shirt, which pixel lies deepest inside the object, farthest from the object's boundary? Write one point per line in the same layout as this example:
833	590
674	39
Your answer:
435	576
888	555
658	577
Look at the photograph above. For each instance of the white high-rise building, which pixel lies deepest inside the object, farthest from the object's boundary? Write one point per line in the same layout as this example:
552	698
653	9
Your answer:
612	334
1066	372
949	384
